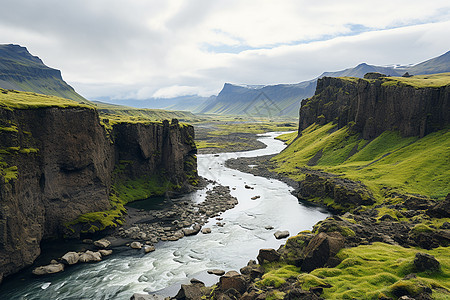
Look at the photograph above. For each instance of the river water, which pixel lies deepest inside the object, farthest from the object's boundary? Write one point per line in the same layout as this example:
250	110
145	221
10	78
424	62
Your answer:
230	247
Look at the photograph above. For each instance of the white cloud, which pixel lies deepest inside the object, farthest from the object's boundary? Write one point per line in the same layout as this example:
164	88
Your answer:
145	48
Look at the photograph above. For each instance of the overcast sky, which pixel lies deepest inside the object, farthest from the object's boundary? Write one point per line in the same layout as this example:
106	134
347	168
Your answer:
147	48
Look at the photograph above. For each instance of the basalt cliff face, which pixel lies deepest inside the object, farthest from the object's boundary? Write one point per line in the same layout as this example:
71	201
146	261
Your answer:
60	164
377	105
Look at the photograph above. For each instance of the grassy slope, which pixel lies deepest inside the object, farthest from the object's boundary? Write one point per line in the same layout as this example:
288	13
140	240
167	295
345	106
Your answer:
407	165
367	272
115	112
11	99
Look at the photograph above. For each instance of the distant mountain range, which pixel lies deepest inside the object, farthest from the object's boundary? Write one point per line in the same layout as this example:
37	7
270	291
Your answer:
284	99
19	70
280	99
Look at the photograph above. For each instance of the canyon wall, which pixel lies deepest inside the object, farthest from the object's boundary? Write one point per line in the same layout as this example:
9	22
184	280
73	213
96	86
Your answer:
377	105
58	163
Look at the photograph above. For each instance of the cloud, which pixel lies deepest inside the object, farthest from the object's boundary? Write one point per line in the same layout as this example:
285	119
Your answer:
118	49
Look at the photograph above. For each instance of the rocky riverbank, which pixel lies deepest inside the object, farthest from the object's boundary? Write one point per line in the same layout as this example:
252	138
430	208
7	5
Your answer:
287	273
144	229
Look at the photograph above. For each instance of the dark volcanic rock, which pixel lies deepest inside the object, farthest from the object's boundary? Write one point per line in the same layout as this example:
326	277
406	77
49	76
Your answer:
70	171
375	108
345	192
269	255
426	262
233	280
441	209
320	249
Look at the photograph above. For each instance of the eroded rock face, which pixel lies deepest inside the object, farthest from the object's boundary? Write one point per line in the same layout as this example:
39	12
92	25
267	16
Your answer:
65	161
375	108
320	249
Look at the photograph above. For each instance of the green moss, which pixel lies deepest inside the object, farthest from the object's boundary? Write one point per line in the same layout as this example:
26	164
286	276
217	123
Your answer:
288	138
277	273
25	100
403	165
273	295
395	214
8	173
420	228
419	81
308	281
378	269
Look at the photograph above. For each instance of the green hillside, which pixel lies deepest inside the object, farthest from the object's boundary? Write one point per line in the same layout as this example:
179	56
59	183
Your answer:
404	165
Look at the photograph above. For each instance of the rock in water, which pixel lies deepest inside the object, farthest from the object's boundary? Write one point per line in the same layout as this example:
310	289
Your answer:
281	234
426	262
148	248
216	272
103	243
49	269
138	296
70	258
104	252
136	245
206	230
90	256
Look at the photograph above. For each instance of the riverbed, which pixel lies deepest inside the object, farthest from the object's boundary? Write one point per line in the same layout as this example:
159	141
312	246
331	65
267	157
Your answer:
231	244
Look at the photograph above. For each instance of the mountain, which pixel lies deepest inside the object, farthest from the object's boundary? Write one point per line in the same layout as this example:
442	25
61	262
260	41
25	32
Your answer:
440	64
260	101
19	70
284	99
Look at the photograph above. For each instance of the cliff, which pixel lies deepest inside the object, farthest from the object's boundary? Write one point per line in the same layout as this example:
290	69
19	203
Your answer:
413	106
58	162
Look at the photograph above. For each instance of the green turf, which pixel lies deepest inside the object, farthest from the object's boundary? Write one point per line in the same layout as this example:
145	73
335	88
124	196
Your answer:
374	270
407	165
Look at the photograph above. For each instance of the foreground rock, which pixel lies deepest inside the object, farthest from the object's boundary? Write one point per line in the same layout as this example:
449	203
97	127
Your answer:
216	272
281	234
49	269
193	291
90	256
426	262
70	258
103	243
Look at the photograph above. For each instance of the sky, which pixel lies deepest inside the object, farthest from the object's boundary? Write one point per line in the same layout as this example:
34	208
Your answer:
138	49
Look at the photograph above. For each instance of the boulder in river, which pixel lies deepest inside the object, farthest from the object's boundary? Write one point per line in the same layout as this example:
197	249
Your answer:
103	243
90	256
281	234
49	269
206	230
148	248
192	231
217	272
70	258
105	252
136	245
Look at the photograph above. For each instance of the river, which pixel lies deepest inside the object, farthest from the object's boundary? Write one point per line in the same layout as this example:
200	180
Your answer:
230	247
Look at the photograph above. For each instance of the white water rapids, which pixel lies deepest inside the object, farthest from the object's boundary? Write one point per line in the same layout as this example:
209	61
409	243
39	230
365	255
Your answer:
229	247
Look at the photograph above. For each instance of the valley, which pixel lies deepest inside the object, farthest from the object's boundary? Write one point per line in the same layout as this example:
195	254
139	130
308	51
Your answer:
337	186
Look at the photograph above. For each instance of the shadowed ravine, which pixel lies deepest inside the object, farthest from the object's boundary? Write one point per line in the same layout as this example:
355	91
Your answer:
228	247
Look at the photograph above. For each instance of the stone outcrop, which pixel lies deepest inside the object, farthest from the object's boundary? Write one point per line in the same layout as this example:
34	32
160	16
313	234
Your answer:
345	193
375	106
63	161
